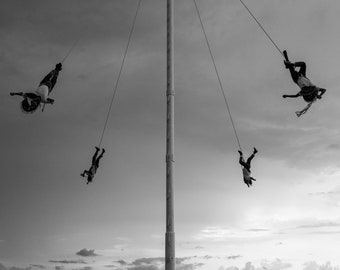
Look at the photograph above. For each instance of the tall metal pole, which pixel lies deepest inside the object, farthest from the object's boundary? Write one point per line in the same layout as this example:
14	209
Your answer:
170	94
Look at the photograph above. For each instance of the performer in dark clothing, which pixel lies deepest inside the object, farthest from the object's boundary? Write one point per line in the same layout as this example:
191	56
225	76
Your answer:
95	165
309	91
32	100
246	168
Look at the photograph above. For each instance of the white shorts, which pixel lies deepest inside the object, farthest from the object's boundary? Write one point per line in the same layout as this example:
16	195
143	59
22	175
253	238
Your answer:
42	91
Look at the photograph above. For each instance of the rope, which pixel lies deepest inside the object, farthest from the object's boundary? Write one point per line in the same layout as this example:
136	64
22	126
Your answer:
70	50
218	77
262	27
119	74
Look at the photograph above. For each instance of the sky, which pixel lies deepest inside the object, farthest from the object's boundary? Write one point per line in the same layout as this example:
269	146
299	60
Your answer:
50	218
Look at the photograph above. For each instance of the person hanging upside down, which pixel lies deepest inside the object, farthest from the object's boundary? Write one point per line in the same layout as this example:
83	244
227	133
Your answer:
309	91
246	168
32	100
95	165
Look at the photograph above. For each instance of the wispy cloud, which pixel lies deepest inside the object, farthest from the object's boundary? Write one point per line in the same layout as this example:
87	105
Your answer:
121	262
233	257
38	266
188	266
258	230
320	224
265	265
85	268
221	233
87	253
315	266
157	263
2	267
68	261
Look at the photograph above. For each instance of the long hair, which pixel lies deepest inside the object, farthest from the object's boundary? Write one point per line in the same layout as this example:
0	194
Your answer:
29	106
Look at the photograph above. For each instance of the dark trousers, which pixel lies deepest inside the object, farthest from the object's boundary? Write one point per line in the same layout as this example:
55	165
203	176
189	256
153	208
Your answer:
95	160
246	164
295	74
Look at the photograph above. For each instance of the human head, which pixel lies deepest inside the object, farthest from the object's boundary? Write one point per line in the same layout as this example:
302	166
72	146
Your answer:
89	178
29	106
58	66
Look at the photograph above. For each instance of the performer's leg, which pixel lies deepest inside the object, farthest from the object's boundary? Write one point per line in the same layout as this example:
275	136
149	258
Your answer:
101	155
94	158
241	161
250	159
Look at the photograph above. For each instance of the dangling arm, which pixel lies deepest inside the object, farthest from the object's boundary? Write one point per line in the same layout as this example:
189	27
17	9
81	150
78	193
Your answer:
304	110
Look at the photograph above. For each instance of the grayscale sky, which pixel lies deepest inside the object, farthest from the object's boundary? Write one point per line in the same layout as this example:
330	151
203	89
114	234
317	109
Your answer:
49	217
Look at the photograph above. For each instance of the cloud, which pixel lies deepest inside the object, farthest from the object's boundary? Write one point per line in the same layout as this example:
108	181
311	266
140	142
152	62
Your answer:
325	193
215	233
121	262
68	261
321	224
182	259
275	265
314	266
249	266
233	257
85	268
2	267
145	261
192	266
314	226
257	230
157	260
333	192
157	263
265	265
143	267
38	266
334	146
328	232
86	253
19	268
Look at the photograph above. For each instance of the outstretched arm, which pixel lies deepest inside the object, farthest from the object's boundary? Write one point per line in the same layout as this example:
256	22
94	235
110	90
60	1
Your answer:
16	93
291	96
49	101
